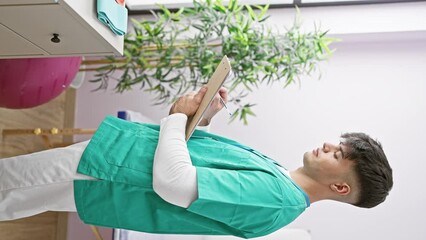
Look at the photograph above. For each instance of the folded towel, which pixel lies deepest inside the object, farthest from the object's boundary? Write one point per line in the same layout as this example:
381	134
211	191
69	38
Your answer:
121	2
113	15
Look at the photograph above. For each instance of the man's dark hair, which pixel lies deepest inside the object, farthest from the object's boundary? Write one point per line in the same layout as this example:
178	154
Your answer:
372	168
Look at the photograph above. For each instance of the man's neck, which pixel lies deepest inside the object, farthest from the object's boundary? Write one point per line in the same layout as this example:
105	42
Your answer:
313	189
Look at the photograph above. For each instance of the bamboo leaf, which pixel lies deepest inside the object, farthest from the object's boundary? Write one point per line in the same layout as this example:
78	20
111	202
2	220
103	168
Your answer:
231	5
218	6
166	11
234	115
263	19
251	12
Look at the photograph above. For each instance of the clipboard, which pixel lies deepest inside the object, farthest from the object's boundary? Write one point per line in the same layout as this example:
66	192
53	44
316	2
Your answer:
216	81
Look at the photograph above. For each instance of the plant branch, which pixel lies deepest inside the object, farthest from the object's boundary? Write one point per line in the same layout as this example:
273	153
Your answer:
179	51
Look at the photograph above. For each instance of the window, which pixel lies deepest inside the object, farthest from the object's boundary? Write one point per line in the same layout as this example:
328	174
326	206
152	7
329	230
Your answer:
143	5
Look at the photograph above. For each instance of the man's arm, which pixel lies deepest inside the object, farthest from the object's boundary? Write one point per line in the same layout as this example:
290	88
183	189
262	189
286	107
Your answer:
174	176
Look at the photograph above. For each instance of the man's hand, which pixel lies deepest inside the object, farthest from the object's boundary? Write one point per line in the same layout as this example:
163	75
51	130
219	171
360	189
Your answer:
215	106
189	103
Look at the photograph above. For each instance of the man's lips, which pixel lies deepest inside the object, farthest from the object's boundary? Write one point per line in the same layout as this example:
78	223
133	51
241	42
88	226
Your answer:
315	152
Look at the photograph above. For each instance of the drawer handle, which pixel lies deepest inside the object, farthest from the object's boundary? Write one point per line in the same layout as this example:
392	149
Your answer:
55	38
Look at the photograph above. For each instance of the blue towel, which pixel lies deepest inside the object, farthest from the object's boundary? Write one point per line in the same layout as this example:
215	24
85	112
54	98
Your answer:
113	15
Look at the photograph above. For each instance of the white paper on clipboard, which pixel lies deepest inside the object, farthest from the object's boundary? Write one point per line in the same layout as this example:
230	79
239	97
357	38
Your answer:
215	82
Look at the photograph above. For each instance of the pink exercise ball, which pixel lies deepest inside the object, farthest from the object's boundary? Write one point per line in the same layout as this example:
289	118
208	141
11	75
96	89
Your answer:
26	83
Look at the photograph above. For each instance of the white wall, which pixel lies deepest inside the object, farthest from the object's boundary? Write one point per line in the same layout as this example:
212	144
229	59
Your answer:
356	19
374	83
378	88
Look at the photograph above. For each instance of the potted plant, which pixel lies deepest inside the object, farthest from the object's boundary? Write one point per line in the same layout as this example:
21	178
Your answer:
178	51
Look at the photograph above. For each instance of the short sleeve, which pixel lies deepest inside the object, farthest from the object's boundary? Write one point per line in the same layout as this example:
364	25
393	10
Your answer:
249	201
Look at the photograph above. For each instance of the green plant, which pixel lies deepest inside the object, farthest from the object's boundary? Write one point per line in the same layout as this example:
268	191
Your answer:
178	51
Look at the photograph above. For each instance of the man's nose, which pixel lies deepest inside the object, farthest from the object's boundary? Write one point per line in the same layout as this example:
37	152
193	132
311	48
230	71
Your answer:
328	147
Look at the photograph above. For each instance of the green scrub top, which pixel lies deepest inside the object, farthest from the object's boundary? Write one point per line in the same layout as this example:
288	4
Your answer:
240	191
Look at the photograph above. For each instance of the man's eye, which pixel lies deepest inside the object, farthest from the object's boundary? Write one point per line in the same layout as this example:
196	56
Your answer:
342	154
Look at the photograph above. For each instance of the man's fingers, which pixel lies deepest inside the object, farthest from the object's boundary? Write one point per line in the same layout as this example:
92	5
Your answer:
191	94
223	92
216	101
200	94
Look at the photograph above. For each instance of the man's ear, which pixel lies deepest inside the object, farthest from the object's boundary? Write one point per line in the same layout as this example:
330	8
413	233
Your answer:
342	189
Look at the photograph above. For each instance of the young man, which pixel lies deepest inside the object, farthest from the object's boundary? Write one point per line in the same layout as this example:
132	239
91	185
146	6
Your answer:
148	178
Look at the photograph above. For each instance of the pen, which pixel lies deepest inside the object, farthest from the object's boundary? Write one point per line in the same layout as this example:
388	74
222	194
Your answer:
223	103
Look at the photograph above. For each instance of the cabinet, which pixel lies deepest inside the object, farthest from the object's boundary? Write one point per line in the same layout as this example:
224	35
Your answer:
40	28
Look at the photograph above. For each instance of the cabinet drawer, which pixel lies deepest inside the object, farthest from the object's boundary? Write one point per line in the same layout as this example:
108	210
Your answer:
38	23
21	2
11	44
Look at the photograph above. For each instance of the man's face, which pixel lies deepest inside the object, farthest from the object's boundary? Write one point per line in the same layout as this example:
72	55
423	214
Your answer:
327	163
